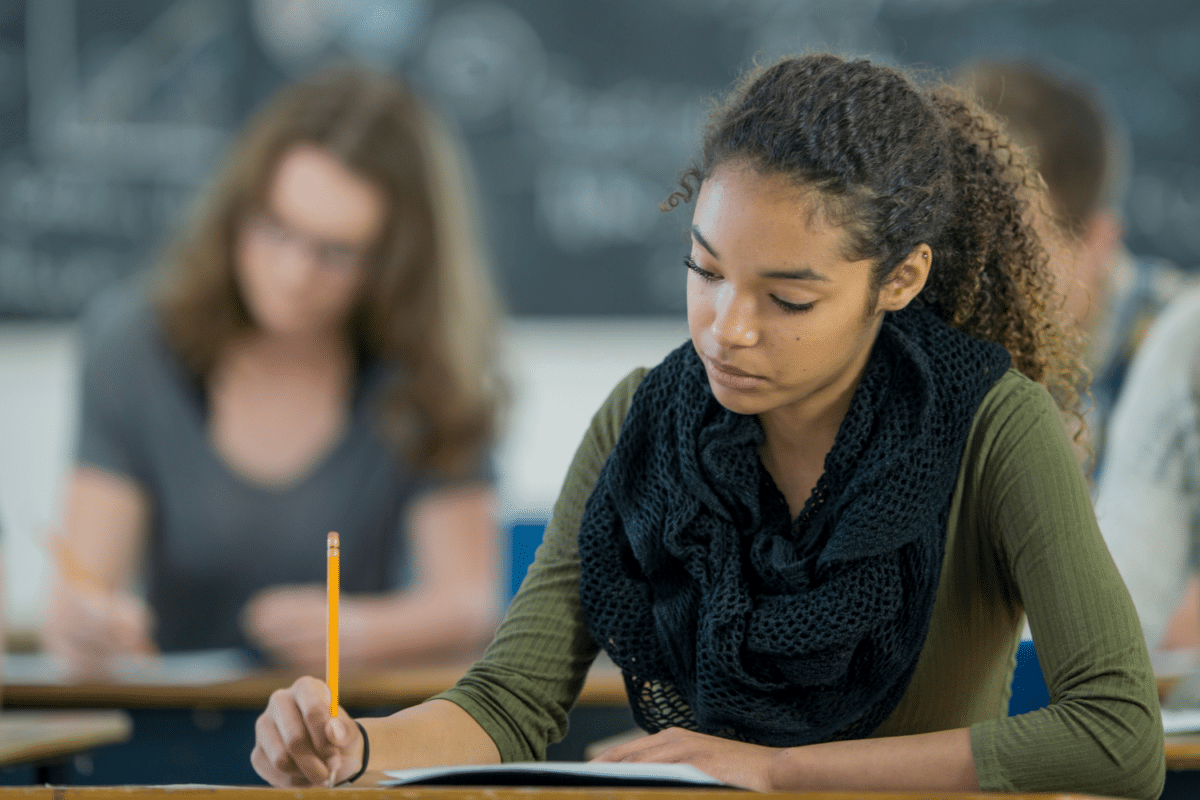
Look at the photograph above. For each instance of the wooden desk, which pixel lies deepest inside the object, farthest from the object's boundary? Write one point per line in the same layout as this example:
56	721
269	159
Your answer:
402	687
189	733
481	793
1183	751
38	736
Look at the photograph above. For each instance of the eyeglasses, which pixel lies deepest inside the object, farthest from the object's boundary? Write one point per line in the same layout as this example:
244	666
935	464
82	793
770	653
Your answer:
331	255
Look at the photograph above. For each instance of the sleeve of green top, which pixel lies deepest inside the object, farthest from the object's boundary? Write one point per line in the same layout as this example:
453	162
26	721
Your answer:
1102	732
531	675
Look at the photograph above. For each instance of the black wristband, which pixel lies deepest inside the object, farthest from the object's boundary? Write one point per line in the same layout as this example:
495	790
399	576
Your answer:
366	754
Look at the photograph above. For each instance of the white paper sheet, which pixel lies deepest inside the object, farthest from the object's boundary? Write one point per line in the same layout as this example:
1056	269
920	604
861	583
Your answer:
555	773
189	668
1181	720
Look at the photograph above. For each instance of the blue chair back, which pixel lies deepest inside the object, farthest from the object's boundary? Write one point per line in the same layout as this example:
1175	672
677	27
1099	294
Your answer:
1029	691
524	536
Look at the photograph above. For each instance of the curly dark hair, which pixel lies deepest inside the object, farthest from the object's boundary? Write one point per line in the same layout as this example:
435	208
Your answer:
898	164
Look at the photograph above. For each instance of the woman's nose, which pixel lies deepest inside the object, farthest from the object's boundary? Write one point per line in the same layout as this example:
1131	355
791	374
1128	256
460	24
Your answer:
297	261
734	323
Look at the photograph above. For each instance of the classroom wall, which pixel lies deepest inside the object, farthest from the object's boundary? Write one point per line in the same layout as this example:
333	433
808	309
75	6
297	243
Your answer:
578	116
37	387
562	369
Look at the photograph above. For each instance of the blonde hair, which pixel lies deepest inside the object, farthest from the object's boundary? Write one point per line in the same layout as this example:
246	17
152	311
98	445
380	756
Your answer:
427	303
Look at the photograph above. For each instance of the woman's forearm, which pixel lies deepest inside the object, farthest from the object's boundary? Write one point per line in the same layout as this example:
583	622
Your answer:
417	625
454	606
434	733
939	761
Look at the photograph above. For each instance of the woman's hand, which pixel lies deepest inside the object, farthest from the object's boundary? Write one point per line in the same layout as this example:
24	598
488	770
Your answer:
89	621
86	629
731	762
288	623
298	743
449	614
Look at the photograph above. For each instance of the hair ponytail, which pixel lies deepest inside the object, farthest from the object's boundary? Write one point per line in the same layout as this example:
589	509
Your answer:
995	282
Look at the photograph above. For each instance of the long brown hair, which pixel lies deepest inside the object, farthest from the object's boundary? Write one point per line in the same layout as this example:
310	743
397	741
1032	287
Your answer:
427	303
899	165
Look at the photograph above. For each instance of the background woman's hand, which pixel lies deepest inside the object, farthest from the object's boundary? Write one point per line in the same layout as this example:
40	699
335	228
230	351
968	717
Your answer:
297	742
731	762
288	623
89	621
87	629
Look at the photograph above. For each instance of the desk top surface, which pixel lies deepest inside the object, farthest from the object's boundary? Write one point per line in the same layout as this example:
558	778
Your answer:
27	736
398	687
474	793
395	687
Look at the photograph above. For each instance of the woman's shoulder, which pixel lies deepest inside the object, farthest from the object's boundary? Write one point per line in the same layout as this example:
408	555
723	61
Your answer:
123	350
1014	398
606	424
1016	414
119	323
622	393
1018	433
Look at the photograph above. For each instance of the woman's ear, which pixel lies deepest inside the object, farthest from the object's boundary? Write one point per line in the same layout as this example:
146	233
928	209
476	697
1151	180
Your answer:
907	280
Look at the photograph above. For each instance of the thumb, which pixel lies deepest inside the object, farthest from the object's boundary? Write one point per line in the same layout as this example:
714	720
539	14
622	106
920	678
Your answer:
335	730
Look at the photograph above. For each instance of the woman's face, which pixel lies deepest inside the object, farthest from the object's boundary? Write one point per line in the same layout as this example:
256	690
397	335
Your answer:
780	318
300	259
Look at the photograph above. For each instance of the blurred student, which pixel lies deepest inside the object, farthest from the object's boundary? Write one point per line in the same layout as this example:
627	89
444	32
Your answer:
1148	504
318	356
1081	150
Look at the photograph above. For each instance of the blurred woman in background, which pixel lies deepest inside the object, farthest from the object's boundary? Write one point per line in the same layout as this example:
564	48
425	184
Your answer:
319	356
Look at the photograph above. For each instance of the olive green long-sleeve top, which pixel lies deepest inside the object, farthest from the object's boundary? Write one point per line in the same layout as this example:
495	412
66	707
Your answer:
1021	539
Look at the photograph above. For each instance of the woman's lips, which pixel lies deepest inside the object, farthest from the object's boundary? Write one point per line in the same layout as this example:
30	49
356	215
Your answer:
730	376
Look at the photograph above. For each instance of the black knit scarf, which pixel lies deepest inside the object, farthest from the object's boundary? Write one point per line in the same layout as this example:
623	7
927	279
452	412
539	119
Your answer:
728	617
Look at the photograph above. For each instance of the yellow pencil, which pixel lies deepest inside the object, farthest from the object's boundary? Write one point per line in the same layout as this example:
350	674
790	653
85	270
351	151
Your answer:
332	552
332	587
73	569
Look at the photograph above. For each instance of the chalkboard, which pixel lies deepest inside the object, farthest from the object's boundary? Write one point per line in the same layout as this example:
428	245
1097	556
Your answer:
578	116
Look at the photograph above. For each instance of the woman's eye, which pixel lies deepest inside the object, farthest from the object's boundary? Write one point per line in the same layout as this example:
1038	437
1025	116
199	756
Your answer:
791	308
691	264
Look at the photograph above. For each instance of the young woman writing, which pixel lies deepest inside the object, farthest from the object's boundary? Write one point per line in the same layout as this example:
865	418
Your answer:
810	537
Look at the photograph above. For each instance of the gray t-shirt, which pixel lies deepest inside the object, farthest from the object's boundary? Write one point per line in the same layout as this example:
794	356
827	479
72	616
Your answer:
215	537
